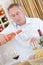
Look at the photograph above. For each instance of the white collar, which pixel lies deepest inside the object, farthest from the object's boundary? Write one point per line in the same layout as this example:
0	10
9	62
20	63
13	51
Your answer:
27	20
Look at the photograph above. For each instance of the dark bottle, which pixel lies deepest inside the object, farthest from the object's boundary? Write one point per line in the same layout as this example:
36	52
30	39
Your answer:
41	37
40	33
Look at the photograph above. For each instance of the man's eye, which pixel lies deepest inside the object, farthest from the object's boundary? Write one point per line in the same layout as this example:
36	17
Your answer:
13	15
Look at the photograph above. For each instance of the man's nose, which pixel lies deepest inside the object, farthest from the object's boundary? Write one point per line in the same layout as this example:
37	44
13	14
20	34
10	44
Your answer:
16	16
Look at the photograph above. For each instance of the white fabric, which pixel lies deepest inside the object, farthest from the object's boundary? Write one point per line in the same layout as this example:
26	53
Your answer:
30	29
23	49
8	30
32	26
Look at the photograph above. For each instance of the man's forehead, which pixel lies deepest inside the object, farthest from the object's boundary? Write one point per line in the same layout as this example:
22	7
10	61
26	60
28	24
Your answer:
14	8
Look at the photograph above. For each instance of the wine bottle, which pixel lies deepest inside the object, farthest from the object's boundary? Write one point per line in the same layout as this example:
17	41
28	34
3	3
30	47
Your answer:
41	37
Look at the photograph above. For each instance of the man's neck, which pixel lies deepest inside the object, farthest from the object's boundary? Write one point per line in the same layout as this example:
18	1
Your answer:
23	23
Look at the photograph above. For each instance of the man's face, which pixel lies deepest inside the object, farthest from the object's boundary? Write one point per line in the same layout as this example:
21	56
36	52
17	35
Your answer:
17	15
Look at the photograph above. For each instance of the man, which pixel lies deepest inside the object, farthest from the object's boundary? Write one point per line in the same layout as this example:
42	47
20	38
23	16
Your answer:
18	17
29	26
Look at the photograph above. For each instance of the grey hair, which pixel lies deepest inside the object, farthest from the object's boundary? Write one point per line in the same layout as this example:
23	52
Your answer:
14	4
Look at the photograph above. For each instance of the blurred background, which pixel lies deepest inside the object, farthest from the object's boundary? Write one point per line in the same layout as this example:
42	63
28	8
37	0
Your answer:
32	8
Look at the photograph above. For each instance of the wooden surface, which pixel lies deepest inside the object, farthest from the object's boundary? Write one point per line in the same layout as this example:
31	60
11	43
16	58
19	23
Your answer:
24	63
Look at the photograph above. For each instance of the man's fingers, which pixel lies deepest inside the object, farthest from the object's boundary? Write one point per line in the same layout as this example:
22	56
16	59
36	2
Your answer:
3	39
34	40
4	36
2	42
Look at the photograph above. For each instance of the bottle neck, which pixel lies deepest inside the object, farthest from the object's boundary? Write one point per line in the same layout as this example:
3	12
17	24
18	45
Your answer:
39	32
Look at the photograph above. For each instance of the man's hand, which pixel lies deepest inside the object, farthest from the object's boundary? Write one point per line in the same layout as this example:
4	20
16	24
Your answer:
34	42
3	39
6	38
34	39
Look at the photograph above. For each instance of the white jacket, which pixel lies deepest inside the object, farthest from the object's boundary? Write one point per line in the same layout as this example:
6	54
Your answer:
30	28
